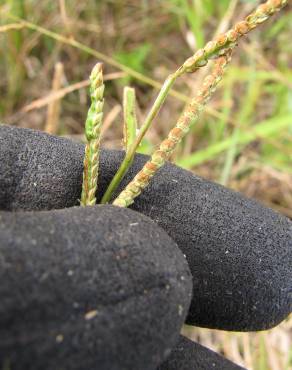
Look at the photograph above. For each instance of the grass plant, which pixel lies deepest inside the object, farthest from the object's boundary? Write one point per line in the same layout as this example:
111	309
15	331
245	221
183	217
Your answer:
256	161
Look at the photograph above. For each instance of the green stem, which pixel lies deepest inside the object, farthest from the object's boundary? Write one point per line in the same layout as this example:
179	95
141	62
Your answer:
156	107
130	118
132	149
15	68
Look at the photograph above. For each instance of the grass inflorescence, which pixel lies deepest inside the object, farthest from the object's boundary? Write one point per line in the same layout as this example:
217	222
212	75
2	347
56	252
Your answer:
92	133
220	48
213	49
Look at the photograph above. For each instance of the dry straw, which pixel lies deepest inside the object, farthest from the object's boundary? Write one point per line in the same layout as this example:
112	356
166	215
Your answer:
52	124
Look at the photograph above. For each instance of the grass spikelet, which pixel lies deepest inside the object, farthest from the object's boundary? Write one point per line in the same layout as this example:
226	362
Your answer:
221	43
92	133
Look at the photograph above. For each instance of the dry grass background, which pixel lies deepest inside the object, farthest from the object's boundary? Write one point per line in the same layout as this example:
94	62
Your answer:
243	140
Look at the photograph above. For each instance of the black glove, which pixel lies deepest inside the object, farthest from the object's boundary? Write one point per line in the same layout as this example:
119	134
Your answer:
240	282
188	355
94	288
89	288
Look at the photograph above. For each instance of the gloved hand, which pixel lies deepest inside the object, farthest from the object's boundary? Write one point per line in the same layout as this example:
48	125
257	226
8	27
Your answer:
188	355
239	254
89	288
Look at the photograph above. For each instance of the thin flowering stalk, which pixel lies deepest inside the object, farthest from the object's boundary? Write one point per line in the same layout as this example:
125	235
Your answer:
217	47
213	50
92	133
166	148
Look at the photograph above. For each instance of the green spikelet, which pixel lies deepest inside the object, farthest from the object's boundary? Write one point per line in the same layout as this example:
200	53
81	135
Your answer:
92	133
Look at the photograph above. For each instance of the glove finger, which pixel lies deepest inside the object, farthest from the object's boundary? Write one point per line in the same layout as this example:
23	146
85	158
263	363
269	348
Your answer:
188	355
239	252
89	288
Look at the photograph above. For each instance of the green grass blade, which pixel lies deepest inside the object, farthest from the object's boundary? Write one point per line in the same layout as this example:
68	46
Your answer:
262	130
230	157
244	115
15	68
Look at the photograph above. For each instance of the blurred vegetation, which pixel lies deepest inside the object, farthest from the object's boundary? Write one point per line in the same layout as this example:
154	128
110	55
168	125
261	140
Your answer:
244	138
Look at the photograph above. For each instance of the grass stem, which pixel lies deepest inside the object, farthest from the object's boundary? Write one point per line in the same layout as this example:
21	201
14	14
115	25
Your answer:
130	118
